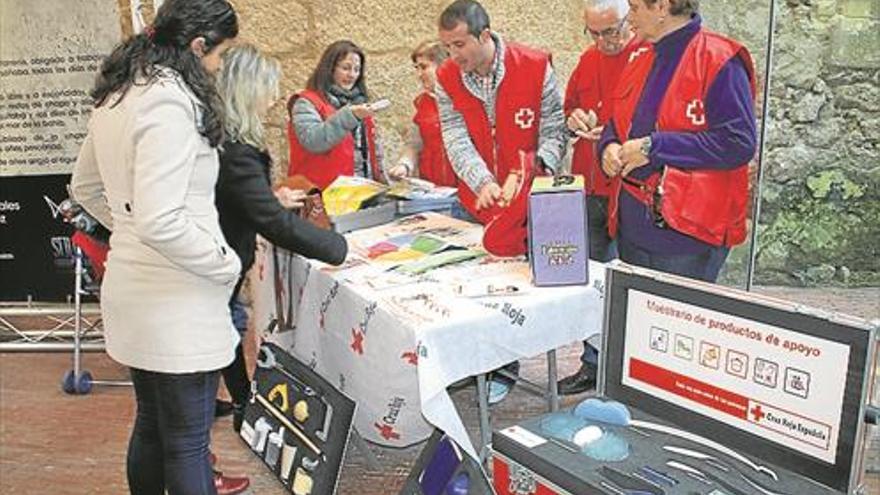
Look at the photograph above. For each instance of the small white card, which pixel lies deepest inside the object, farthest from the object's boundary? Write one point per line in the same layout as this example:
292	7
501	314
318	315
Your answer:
524	436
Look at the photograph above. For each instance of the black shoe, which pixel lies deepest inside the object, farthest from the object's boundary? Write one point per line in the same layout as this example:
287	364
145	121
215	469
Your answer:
237	417
222	408
582	381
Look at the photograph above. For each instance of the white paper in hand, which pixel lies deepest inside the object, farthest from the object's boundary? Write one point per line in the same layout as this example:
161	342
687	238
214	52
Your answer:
380	105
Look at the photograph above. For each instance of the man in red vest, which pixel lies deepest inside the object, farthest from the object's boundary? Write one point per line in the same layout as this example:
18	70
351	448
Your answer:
588	106
501	118
680	139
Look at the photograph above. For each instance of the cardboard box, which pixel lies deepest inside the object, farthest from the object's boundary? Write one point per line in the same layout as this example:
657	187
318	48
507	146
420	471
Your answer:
728	383
558	243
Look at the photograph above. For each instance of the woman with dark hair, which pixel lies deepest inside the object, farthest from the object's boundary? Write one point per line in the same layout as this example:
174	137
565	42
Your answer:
147	170
248	86
331	129
424	154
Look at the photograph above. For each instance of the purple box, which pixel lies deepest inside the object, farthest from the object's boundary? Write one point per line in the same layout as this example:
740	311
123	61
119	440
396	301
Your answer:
558	244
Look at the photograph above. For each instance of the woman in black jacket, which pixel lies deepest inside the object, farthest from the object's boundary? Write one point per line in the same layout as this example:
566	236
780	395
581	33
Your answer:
248	85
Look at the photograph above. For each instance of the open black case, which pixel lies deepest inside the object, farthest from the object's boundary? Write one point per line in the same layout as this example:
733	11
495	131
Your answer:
724	387
297	423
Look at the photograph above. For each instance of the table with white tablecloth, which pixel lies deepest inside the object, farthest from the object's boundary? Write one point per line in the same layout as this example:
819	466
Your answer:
395	342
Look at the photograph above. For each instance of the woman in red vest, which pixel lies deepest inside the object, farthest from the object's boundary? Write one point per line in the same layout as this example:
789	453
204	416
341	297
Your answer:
680	138
331	130
424	154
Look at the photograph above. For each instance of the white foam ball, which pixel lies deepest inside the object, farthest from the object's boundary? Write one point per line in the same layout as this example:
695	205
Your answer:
587	435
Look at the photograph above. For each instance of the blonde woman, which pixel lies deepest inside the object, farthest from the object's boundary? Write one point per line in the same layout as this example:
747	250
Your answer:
248	86
425	155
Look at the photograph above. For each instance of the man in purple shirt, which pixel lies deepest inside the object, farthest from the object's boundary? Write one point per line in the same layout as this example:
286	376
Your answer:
724	141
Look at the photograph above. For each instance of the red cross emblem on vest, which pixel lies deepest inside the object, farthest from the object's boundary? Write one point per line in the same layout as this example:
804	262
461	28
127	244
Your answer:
524	118
696	112
635	54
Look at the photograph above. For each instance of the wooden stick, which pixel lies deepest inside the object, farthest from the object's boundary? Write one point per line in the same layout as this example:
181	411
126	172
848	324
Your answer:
286	422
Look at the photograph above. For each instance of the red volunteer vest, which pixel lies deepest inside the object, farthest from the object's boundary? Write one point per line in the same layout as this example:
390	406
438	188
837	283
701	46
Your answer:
591	86
517	114
324	168
709	205
433	163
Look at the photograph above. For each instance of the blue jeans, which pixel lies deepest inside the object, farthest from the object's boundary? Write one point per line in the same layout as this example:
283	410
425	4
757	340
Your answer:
168	449
239	316
602	247
705	265
235	376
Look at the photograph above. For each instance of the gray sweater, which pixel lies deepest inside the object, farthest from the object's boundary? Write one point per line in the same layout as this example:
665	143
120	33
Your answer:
320	136
463	156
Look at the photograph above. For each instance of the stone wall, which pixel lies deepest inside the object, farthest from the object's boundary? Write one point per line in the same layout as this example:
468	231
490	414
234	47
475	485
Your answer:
820	219
297	31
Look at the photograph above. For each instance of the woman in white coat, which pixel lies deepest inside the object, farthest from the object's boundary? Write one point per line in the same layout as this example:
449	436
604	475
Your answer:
147	170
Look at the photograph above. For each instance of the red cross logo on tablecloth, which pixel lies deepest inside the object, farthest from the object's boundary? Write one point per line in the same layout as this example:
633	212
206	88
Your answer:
387	431
635	54
758	413
410	357
524	118
696	112
357	341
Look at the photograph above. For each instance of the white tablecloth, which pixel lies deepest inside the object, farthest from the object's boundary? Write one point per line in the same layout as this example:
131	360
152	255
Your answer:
395	343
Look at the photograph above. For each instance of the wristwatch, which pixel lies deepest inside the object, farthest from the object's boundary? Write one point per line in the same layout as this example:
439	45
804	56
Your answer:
645	147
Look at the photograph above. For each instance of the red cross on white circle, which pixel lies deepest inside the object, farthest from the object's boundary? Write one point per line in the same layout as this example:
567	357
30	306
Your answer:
696	112
524	118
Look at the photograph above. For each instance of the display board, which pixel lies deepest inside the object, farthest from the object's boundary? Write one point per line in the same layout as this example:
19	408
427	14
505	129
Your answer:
771	379
50	52
297	423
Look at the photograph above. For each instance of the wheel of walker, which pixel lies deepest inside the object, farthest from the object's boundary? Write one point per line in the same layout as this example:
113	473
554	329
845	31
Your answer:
84	383
68	382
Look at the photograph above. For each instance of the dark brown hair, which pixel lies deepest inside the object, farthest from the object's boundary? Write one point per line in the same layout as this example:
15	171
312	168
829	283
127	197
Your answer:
177	23
322	77
469	12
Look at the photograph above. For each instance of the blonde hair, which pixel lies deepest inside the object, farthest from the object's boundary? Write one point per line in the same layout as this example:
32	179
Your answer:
433	50
248	80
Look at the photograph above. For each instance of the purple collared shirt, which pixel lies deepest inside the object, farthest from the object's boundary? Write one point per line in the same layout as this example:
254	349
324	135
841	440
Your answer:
729	141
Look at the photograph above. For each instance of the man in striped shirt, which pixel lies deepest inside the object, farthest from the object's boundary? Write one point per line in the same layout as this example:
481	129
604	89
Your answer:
493	73
499	102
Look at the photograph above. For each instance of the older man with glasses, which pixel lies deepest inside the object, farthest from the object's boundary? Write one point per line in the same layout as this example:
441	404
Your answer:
588	106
